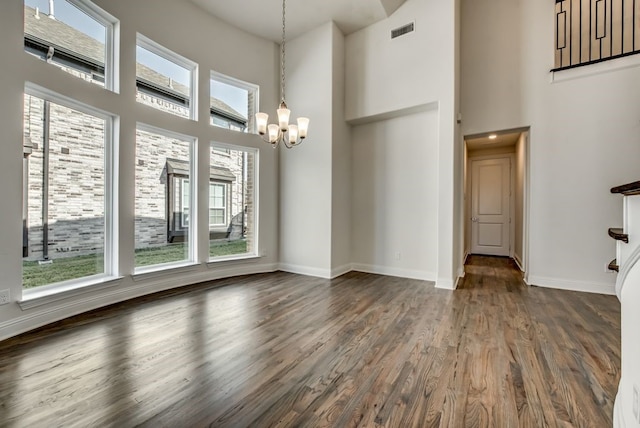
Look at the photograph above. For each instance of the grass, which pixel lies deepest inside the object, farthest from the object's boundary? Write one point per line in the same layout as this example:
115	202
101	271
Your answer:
64	269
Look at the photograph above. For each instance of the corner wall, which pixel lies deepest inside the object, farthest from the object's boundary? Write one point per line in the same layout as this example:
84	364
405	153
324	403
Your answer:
583	136
315	177
394	219
387	79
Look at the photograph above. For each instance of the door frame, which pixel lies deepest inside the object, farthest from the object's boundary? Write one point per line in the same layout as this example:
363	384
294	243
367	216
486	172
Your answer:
464	178
512	199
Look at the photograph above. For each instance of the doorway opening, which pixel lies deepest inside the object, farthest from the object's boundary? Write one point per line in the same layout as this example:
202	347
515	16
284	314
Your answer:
496	191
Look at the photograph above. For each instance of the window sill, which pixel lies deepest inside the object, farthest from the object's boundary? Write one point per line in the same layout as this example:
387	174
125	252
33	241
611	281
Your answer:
232	258
41	296
594	69
162	270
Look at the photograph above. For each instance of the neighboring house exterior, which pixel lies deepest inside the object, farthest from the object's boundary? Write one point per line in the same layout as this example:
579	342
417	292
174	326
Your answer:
162	163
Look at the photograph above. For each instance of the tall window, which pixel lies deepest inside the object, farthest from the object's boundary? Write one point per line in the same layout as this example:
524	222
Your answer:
75	35
232	201
67	172
165	80
163	198
233	103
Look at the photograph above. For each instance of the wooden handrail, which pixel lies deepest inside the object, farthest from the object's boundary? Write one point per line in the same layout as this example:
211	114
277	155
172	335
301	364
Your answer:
627	189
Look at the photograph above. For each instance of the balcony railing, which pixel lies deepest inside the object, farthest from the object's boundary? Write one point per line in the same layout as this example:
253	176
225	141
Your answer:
591	31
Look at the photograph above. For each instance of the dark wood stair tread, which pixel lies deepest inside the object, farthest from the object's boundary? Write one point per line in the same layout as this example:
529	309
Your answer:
627	189
618	234
613	265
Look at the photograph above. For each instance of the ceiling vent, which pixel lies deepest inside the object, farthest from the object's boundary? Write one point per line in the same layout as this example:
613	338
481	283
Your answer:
401	31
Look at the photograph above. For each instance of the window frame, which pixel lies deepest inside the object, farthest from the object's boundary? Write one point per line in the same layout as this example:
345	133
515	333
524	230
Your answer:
111	142
192	235
217	145
249	87
167	54
112	40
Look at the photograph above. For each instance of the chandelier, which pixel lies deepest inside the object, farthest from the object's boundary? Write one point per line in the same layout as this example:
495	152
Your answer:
290	135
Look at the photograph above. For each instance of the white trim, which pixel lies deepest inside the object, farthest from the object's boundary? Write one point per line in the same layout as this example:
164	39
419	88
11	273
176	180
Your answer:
594	69
45	295
446	284
341	270
249	87
618	412
518	262
192	240
625	269
47	315
563	284
112	41
305	270
111	148
392	271
146	43
160	270
213	144
231	258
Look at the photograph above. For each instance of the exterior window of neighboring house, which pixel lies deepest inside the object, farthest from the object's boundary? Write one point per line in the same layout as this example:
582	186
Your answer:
165	80
163	198
185	199
588	32
75	35
232	201
233	103
68	173
217	204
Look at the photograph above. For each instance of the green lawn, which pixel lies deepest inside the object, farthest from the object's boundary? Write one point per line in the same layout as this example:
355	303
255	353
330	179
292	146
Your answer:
63	269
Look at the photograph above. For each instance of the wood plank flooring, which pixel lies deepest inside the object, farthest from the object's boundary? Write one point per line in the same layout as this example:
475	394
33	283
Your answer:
291	351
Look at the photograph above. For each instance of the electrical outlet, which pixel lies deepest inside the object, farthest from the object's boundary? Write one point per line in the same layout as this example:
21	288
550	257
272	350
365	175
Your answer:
5	297
263	252
398	255
636	403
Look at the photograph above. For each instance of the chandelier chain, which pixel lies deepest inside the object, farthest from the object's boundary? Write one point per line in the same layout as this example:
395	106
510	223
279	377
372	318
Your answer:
282	53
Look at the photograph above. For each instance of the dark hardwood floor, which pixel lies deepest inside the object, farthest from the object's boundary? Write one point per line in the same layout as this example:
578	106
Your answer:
292	351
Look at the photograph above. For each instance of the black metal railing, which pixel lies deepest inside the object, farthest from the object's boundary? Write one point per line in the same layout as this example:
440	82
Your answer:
591	31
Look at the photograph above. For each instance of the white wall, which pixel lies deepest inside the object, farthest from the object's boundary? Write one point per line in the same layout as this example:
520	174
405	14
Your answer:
314	178
520	191
305	171
395	184
241	55
583	140
389	78
341	165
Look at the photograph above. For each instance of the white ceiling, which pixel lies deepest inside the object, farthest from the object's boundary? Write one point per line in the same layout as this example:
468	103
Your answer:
484	142
264	17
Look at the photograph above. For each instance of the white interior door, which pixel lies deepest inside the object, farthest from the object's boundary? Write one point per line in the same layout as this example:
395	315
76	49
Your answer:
490	206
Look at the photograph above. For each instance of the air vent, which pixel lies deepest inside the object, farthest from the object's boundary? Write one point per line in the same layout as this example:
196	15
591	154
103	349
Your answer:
401	31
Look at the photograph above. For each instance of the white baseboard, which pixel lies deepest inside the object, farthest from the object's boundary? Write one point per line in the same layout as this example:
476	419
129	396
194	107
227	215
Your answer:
563	284
518	262
306	270
618	414
391	271
58	310
341	270
447	284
